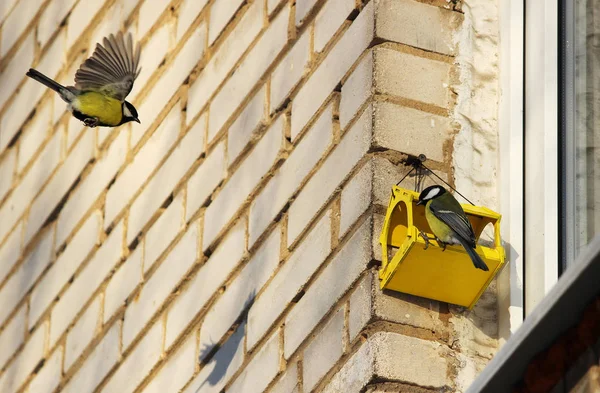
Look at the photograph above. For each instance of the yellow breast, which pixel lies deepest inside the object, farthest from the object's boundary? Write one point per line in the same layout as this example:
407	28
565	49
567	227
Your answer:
108	110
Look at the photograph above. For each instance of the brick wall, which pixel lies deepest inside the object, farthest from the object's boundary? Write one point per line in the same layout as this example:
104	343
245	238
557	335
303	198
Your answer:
229	242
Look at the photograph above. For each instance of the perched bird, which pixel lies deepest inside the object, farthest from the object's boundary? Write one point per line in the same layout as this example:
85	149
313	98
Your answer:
448	222
101	84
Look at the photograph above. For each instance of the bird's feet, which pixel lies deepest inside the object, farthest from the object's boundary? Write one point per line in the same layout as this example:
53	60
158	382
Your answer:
91	121
425	238
441	244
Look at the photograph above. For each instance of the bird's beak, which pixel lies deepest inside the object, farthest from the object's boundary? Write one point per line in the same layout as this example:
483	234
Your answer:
138	120
419	203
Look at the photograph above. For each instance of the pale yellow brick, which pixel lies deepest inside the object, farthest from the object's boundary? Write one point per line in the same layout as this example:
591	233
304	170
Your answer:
51	18
139	362
82	332
16	22
223	60
422	132
261	370
13	335
80	17
7	169
289	71
188	11
177	371
248	72
158	45
330	19
123	282
220	14
242	129
148	14
26	360
421	79
14	72
163	231
19	107
10	251
48	378
33	135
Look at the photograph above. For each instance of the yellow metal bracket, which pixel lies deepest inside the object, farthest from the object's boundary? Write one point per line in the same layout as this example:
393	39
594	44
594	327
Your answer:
447	276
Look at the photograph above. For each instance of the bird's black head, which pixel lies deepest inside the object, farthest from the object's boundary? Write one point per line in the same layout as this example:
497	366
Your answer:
129	113
430	193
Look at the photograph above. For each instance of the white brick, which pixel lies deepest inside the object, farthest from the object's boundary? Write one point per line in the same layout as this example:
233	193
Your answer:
290	279
421	79
27	273
260	371
13	335
91	187
7	169
109	24
97	365
86	283
188	11
124	281
51	18
13	73
80	18
221	13
303	8
149	13
330	72
356	90
271	5
207	281
165	179
329	19
158	45
5	8
163	231
170	81
288	383
247	74
48	378
178	370
333	282
19	107
241	131
30	185
356	197
290	175
224	59
82	332
204	181
25	362
65	266
214	375
241	292
34	135
357	371
324	351
59	185
144	163
10	251
53	60
336	167
422	132
16	22
361	307
423	26
242	182
139	362
160	285
289	71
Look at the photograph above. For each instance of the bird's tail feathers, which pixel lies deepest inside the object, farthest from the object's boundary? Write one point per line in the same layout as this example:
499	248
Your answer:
65	93
475	258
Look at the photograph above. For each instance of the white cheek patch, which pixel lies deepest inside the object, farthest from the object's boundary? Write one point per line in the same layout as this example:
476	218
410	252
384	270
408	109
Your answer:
126	111
431	194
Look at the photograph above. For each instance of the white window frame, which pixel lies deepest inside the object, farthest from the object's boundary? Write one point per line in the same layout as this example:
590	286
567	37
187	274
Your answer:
528	136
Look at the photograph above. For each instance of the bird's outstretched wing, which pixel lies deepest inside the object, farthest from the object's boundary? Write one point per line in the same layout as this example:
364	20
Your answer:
112	68
458	222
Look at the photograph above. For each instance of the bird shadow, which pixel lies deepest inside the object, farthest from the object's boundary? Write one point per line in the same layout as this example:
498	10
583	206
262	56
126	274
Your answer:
220	356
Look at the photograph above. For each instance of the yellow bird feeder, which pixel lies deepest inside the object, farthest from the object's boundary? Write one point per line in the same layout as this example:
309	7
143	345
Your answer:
447	276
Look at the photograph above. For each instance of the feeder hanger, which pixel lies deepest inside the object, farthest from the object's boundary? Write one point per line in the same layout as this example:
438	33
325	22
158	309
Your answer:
418	165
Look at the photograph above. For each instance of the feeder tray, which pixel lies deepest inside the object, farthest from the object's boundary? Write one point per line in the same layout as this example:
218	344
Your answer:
447	276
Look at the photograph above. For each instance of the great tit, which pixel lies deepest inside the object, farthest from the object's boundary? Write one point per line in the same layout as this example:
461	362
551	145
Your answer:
101	84
448	222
